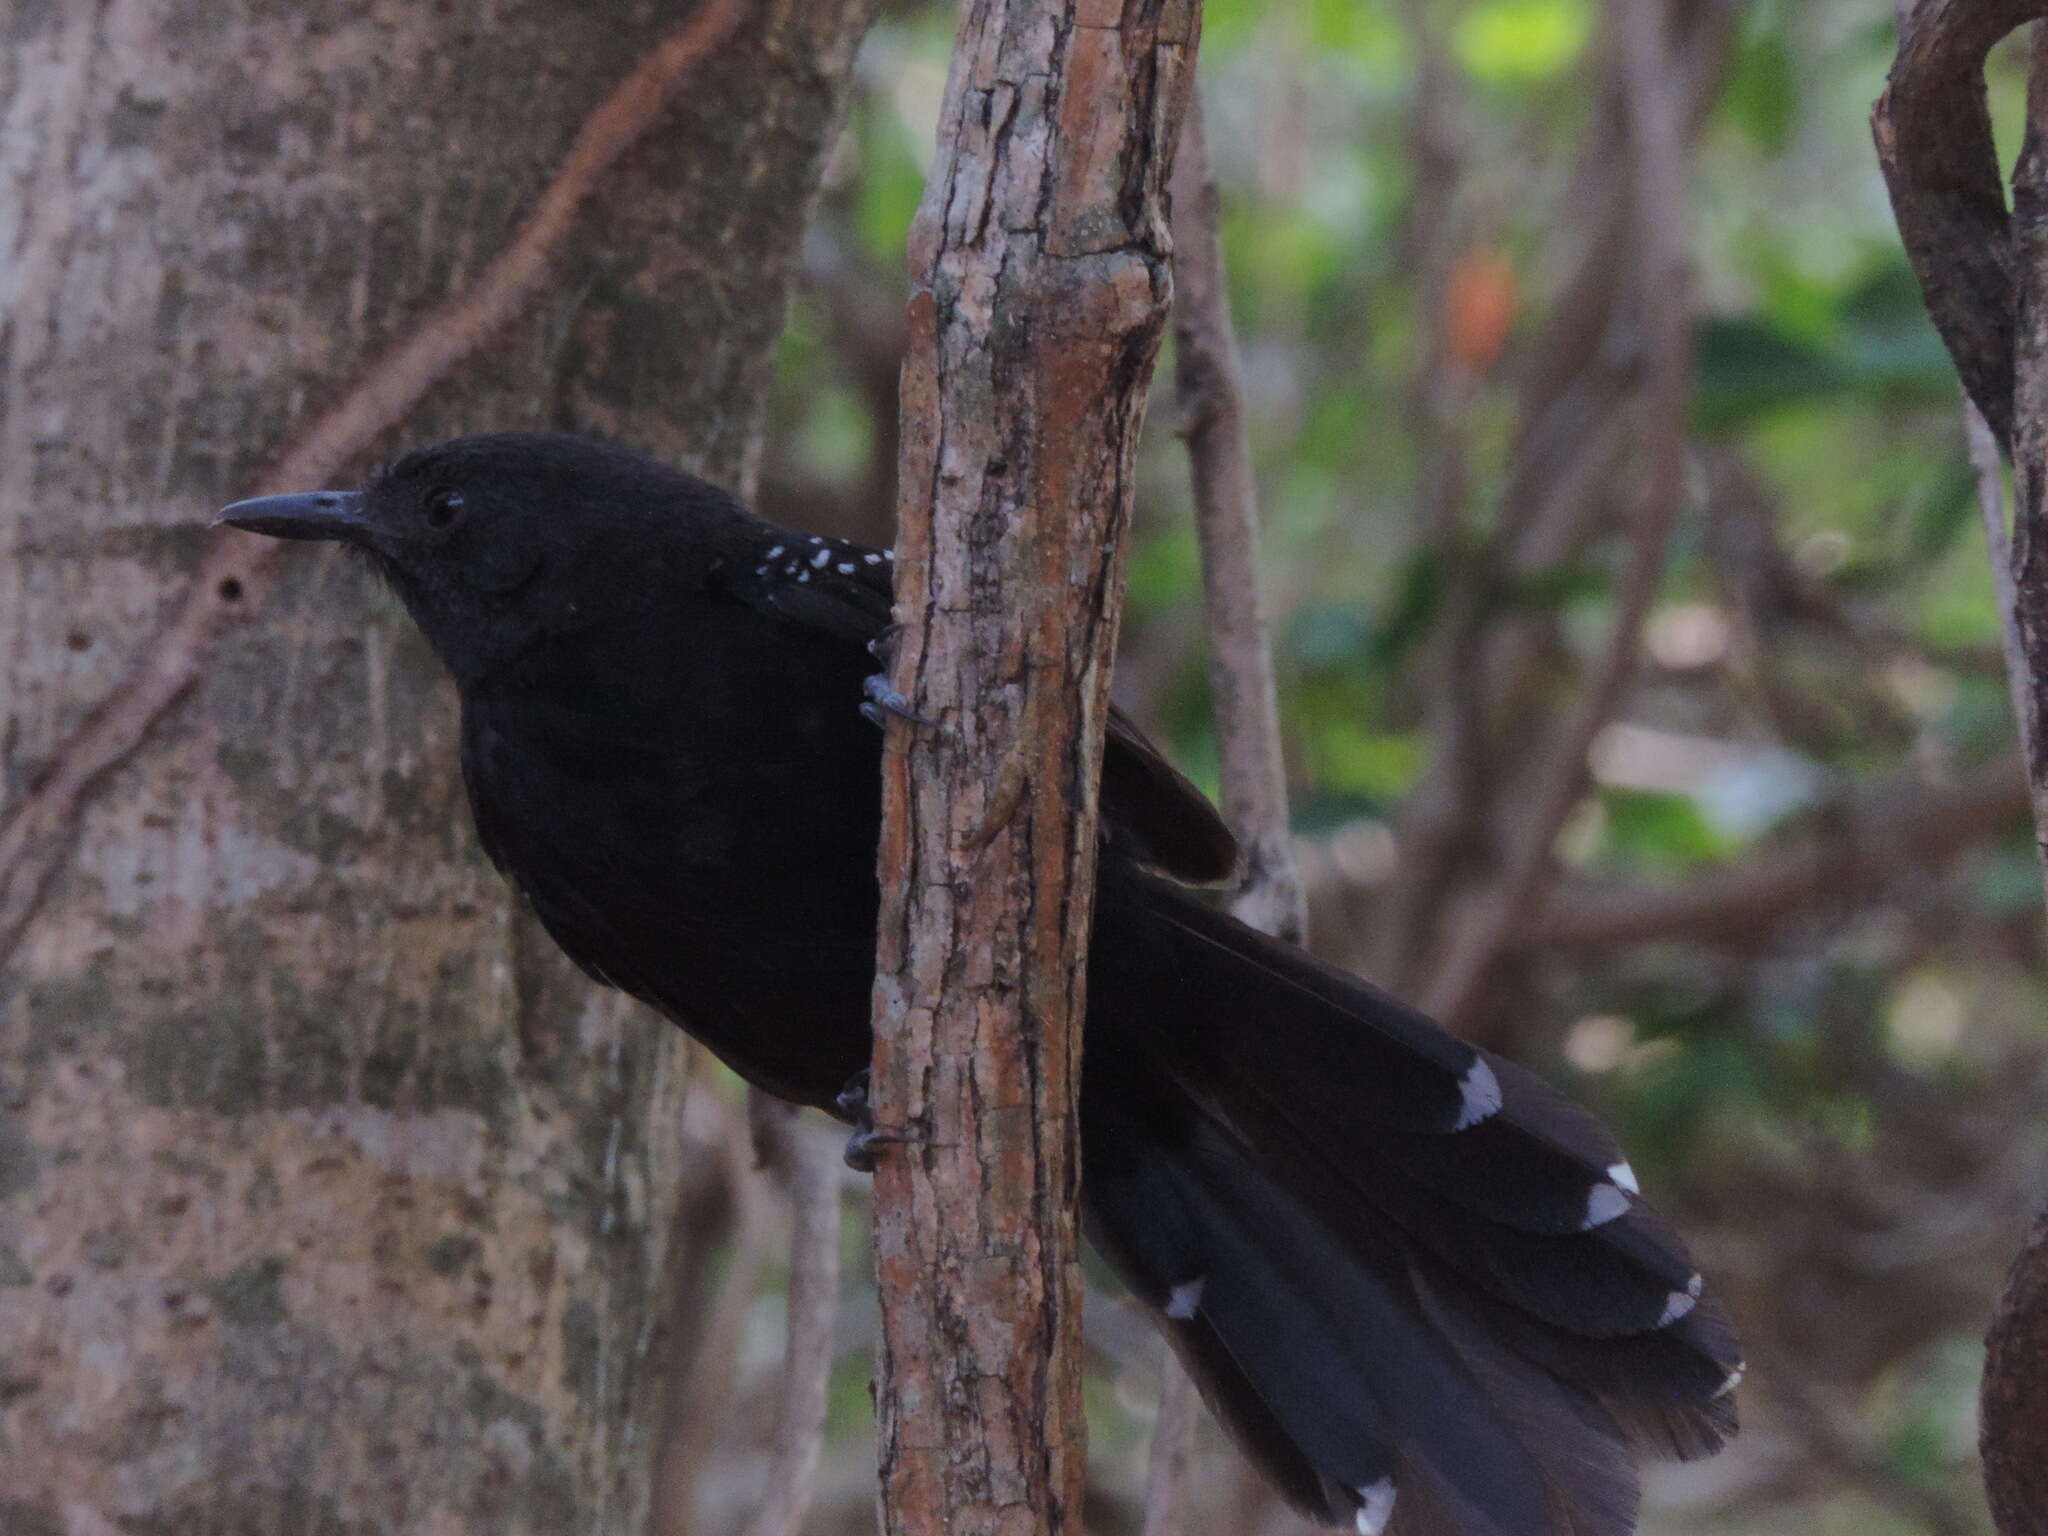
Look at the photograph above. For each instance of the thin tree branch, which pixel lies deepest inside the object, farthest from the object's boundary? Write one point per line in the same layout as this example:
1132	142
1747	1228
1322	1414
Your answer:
727	1206
1039	263
235	572
807	1168
1210	392
1173	1442
1664	289
1209	386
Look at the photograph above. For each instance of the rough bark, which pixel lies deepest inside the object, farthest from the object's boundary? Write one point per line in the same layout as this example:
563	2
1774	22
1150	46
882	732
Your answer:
2014	1406
1933	133
1985	279
328	1199
1041	288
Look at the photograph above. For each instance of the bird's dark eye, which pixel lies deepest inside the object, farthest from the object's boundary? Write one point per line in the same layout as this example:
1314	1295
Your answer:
444	509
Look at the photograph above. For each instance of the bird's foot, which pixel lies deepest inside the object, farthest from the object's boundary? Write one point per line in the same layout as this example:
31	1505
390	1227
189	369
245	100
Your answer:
881	701
867	1140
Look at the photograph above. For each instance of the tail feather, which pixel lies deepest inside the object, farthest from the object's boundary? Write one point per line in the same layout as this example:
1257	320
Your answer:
1368	1077
1461	1331
1626	1277
1311	1347
1403	1071
1540	1165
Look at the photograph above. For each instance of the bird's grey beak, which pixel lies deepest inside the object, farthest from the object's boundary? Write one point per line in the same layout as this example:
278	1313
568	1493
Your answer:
313	515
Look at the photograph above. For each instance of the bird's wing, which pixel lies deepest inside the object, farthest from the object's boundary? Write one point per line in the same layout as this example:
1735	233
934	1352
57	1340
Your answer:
846	590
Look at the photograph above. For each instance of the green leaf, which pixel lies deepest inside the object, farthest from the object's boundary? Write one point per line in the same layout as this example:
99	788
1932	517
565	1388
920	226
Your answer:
1512	42
1762	98
1656	828
1746	368
1351	759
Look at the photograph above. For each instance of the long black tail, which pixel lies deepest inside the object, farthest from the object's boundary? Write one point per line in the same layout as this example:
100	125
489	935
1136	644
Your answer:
1414	1282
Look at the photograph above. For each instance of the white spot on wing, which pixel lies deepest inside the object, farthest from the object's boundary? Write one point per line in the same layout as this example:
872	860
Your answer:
1375	1507
1181	1304
1604	1204
872	559
774	552
1625	1176
1480	1091
822	558
889	555
804	574
845	568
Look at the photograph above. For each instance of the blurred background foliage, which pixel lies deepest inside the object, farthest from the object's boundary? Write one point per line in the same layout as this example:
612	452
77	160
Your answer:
1795	951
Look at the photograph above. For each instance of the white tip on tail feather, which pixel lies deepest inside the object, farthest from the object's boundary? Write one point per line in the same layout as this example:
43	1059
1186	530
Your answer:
1603	1204
1731	1381
1480	1091
1184	1299
1375	1507
1625	1176
1678	1303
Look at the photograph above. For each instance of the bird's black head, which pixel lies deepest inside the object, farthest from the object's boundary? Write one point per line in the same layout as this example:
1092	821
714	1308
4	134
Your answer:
495	541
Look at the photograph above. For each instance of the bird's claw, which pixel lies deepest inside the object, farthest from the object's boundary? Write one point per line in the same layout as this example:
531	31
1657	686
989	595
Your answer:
880	701
866	1140
862	1147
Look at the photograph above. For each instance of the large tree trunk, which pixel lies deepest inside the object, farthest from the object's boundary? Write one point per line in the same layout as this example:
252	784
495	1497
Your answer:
329	1200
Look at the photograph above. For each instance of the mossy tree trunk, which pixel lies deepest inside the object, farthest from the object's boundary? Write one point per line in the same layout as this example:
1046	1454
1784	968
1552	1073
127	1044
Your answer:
330	1201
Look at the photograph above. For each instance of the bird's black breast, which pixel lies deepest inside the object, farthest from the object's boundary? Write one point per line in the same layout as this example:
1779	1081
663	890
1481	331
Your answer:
693	815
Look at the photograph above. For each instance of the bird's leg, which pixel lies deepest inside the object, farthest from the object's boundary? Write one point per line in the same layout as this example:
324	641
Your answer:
866	1139
880	700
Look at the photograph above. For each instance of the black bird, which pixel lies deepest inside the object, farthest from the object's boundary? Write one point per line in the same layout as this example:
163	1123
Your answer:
1415	1283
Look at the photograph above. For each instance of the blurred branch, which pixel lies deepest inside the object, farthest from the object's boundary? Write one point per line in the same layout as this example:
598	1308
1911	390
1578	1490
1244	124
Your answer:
1173	1446
36	835
1664	284
1441	824
1855	847
720	1206
807	1168
1577	384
